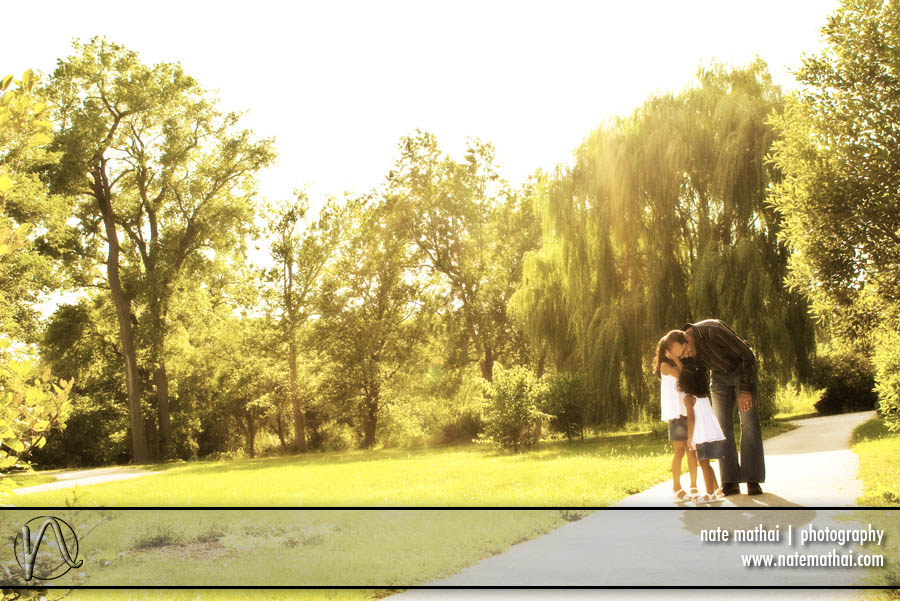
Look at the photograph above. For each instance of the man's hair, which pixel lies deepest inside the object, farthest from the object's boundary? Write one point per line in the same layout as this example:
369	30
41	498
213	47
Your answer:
674	336
694	378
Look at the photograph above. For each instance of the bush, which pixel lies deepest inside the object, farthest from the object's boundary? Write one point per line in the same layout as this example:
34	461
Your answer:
887	377
848	378
162	535
566	400
766	391
795	398
465	428
339	437
512	413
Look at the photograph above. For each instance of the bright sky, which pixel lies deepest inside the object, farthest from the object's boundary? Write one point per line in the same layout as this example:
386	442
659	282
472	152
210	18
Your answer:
339	82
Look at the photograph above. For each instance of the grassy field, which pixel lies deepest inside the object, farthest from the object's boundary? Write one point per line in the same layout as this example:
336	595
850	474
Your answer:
268	547
879	469
879	463
597	472
427	544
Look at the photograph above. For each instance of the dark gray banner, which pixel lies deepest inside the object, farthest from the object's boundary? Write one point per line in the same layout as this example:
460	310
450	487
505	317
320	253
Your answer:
398	548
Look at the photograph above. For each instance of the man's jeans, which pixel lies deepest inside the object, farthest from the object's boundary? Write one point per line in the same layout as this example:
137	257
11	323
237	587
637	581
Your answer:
752	468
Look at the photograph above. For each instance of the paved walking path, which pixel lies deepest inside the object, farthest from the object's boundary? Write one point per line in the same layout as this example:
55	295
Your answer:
69	478
811	466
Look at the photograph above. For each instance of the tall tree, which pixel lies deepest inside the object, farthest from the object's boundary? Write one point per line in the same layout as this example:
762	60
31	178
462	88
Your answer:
471	228
663	218
301	247
31	221
170	178
842	170
374	311
840	155
30	403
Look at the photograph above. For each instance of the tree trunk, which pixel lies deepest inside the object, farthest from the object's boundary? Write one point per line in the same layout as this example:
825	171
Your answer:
139	450
541	360
279	424
487	364
251	435
371	416
299	418
161	381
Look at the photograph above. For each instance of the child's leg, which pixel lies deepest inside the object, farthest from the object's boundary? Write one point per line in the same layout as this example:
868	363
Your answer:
709	476
692	467
676	463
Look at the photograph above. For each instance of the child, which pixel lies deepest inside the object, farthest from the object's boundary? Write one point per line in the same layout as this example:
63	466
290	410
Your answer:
672	410
704	433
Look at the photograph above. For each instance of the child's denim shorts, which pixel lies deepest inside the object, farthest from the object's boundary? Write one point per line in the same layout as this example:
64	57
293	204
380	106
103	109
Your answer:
678	428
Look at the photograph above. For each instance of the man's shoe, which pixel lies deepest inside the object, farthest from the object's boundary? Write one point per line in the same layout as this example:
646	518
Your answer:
753	488
730	488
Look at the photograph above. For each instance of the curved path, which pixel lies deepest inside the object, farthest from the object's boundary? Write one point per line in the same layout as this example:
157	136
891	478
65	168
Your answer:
69	478
811	466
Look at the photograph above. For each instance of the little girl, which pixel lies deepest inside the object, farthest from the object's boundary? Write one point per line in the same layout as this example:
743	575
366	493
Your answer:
672	409
704	433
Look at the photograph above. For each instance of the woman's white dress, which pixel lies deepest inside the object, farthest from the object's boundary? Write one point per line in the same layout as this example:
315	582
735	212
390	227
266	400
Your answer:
671	399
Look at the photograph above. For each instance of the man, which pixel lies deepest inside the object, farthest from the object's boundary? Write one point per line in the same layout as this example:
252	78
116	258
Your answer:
733	370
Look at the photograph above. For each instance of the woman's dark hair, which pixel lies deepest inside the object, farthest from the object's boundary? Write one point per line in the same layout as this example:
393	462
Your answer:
662	346
694	379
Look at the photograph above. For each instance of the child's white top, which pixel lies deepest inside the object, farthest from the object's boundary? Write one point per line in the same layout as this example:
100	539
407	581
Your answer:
671	399
706	425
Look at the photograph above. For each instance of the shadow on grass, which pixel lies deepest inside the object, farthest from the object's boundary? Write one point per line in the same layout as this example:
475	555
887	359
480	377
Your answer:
618	444
622	444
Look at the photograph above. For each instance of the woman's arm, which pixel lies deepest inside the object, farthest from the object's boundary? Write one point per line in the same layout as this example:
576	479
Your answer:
689	408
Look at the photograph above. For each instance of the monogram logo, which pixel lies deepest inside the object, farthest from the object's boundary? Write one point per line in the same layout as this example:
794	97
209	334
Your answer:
64	537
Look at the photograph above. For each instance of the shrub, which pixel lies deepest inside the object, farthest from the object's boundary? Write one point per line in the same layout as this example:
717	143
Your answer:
512	412
162	535
467	426
766	391
887	377
848	378
339	437
795	398
566	400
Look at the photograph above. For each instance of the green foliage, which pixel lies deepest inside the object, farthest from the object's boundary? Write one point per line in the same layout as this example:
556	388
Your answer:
663	220
879	463
837	151
512	412
31	403
794	399
162	535
567	400
163	184
887	377
766	396
848	378
301	247
472	229
26	268
376	315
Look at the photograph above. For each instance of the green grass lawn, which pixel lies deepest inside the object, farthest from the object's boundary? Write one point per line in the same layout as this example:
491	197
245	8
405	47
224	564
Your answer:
596	472
879	469
288	547
879	463
427	544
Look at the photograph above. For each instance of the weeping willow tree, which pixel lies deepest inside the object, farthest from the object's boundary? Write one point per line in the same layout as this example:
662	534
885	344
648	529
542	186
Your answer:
662	220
